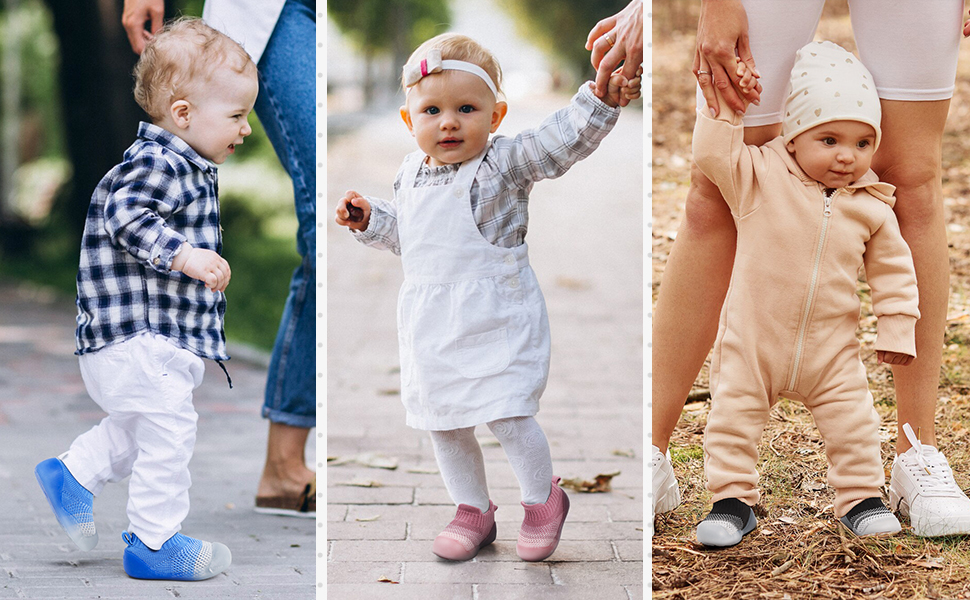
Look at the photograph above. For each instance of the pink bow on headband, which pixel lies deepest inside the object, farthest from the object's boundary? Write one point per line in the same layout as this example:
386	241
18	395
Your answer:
428	65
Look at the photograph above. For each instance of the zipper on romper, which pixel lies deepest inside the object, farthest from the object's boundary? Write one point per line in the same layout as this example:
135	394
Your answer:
803	326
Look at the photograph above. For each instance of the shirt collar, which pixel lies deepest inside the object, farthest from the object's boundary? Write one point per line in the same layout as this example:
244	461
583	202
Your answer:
169	140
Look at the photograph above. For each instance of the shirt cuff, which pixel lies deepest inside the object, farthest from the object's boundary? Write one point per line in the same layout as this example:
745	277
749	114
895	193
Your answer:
163	251
586	93
896	333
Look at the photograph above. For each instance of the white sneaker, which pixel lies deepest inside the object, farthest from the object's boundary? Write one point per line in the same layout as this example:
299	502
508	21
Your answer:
666	494
922	487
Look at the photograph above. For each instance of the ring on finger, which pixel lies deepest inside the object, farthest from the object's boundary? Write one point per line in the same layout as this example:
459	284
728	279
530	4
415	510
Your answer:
610	40
703	72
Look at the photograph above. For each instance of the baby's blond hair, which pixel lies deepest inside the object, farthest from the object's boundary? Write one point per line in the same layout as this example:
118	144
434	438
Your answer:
184	53
455	46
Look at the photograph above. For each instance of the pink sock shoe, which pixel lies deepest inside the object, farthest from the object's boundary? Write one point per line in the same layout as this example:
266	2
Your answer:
470	531
542	525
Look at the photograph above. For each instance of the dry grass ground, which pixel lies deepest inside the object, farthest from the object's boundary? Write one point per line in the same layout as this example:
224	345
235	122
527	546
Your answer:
798	550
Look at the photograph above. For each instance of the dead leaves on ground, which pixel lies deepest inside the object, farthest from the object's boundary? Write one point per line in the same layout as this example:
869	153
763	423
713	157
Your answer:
600	483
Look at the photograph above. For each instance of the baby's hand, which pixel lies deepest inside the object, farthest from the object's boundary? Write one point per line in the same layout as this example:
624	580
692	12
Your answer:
620	90
353	211
749	80
205	265
893	358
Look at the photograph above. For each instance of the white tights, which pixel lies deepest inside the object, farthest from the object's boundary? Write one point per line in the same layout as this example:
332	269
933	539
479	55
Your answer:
463	468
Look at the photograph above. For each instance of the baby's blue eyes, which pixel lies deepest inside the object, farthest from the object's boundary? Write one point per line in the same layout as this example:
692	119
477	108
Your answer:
433	110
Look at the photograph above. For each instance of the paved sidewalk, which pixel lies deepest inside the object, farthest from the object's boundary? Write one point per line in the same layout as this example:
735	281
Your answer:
585	242
43	406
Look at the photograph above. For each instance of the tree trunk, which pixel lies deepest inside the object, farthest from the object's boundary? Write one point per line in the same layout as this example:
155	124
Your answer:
100	113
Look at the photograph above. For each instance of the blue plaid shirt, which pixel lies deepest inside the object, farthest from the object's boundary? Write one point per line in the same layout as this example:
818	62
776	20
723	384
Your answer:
161	195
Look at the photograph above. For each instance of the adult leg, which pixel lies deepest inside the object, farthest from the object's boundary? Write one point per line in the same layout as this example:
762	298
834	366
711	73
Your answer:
695	281
285	107
909	157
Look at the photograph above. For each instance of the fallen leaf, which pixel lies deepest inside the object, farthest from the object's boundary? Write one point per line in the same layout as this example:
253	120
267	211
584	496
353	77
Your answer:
387	580
767	532
423	470
571	283
930	563
788	520
230	505
628	453
389	392
376	461
365	519
601	483
356	482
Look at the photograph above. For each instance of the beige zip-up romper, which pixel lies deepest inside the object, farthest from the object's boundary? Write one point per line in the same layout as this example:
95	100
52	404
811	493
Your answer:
788	323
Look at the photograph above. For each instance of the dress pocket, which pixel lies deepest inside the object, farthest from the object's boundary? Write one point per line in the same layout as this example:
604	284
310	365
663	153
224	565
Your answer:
483	354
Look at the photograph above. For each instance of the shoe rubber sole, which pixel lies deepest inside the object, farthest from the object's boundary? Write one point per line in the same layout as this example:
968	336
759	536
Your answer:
668	499
488	540
925	526
545	555
709	536
50	477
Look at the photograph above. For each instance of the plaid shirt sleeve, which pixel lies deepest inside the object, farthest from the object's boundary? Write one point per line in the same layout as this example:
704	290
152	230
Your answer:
146	192
560	141
381	232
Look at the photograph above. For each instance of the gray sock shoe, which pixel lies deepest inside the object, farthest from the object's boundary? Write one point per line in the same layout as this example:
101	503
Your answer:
728	522
871	517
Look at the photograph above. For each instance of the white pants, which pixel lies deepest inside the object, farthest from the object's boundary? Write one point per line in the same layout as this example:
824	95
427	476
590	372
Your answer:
145	385
909	46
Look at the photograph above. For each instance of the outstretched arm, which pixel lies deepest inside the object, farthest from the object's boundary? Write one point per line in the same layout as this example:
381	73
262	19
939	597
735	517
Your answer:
722	37
615	39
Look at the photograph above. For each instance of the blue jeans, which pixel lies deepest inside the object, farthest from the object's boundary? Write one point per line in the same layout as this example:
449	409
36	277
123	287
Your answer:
285	107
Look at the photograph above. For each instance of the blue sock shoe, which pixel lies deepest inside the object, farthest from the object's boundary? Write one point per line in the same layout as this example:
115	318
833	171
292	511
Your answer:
72	504
181	558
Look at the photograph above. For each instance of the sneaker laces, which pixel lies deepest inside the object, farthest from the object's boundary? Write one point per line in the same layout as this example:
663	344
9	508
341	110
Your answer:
934	475
656	459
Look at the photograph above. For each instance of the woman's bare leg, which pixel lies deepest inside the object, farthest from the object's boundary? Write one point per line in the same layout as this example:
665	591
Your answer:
909	157
695	281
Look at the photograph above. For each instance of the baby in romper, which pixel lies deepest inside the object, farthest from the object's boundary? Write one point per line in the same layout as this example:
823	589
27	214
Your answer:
472	326
809	213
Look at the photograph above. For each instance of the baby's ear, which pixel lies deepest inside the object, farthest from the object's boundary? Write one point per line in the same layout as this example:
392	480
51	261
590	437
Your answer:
498	113
406	117
181	113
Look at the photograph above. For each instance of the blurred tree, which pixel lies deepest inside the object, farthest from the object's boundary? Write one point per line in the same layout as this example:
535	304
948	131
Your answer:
100	115
382	26
560	27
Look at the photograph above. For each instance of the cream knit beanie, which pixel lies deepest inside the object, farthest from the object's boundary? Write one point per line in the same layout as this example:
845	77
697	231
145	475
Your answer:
828	84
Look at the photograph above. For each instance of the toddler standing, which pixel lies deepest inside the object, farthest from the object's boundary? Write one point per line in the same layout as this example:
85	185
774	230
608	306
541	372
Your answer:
150	302
809	213
472	326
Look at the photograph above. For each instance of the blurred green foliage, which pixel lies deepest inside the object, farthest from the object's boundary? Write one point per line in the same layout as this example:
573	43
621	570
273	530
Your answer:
560	27
255	193
389	25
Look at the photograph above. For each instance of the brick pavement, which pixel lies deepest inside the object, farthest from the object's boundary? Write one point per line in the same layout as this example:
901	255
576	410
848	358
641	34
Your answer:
43	406
585	242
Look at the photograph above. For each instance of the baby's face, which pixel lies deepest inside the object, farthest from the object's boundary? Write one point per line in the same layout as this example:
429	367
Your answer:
451	114
219	111
836	153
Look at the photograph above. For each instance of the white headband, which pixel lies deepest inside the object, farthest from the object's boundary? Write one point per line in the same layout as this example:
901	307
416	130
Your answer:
433	64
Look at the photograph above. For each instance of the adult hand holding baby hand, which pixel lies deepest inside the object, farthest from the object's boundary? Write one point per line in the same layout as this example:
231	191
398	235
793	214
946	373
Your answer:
353	211
893	358
205	265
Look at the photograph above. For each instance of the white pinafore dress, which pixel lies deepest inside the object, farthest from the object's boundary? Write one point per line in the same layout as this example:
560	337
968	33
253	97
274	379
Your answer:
472	324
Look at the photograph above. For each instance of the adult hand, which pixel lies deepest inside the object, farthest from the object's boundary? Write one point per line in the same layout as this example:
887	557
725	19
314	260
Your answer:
722	36
134	16
615	39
